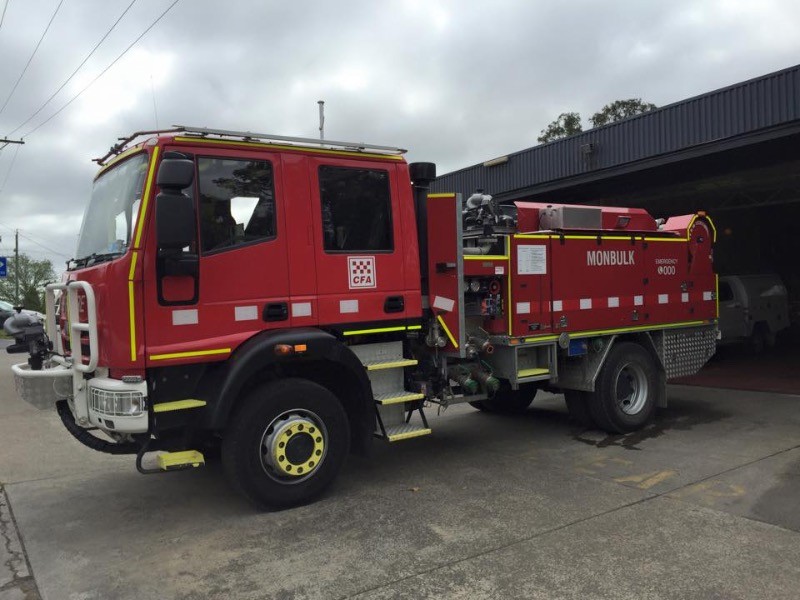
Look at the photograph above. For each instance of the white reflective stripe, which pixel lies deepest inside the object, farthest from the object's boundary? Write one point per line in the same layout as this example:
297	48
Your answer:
301	309
707	296
685	297
523	308
348	306
613	302
246	313
586	303
663	298
185	317
638	300
557	306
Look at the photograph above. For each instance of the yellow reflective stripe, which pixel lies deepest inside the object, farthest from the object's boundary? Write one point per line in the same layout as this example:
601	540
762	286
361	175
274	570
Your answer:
396	437
382	330
443	195
132	270
485	257
447	331
510	313
190	354
353	154
531	236
713	227
132	321
658	239
178	405
119	157
145	197
579	334
544	338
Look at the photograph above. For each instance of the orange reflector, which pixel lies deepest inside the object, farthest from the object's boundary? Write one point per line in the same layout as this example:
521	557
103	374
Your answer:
300	348
283	349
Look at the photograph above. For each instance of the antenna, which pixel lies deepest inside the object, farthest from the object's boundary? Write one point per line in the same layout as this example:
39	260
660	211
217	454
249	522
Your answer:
321	119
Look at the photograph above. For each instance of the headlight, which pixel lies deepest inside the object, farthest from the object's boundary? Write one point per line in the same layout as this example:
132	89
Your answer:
117	403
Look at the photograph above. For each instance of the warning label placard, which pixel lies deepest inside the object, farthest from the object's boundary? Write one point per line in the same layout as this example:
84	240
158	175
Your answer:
361	272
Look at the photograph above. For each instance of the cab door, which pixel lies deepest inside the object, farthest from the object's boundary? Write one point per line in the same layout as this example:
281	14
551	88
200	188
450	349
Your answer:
242	282
359	242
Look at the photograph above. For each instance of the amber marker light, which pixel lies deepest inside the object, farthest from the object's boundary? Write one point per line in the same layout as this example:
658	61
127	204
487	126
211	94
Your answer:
283	349
300	348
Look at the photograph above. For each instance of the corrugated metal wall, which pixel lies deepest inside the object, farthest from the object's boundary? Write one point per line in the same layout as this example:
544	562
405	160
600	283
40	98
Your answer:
740	109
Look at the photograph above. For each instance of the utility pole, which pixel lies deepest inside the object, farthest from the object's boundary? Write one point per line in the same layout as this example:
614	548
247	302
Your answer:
5	142
321	119
16	266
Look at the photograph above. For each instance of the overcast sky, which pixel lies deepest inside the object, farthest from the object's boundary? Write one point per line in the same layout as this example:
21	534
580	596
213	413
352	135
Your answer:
454	82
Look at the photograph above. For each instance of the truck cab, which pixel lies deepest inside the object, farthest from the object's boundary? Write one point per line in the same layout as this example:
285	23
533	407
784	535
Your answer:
752	309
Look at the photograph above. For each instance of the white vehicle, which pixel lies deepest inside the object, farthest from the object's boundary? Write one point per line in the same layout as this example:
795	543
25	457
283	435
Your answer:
752	308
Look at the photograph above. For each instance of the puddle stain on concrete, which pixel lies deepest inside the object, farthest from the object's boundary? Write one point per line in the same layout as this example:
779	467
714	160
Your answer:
682	419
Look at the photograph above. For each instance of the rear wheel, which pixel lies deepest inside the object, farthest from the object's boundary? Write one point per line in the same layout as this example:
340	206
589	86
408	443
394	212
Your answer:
286	443
626	390
508	401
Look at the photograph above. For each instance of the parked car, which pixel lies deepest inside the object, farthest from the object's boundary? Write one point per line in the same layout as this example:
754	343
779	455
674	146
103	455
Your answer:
752	308
7	309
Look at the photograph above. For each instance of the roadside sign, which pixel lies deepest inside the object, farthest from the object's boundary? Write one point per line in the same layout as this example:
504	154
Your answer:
3	266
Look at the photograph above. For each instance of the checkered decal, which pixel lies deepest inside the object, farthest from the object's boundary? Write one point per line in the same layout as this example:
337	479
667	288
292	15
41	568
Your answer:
361	272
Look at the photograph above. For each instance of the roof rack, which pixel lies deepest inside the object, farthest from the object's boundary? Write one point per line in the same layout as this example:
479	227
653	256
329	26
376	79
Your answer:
204	132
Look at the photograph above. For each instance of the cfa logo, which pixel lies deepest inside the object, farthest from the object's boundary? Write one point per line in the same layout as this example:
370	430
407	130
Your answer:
361	272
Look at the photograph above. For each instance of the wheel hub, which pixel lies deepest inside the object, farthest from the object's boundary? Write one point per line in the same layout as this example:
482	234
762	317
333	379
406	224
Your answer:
293	446
631	389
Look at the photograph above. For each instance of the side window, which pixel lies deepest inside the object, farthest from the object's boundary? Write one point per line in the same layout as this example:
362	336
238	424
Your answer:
725	292
237	202
356	209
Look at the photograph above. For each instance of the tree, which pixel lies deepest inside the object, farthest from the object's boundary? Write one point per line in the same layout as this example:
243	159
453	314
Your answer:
33	276
565	125
620	109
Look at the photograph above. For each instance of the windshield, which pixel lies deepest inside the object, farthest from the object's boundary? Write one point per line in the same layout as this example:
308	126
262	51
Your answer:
5	305
110	218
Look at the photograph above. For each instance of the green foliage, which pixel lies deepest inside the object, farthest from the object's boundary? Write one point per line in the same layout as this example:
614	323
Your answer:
565	125
620	109
33	276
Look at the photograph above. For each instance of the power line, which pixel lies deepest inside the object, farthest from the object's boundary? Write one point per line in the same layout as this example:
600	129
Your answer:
103	72
10	166
30	239
3	16
78	68
28	64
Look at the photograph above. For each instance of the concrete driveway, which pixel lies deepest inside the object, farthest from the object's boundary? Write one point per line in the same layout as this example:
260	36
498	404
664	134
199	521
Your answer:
703	504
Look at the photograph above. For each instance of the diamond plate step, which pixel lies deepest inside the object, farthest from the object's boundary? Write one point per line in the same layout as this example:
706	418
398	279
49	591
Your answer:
397	397
404	431
376	365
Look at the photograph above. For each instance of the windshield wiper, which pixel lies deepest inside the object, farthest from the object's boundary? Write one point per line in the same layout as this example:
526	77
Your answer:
95	258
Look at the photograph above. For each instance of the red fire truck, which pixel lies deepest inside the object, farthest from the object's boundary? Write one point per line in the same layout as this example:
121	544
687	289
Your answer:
288	300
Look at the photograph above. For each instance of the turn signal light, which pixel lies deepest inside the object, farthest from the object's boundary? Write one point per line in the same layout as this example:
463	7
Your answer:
283	349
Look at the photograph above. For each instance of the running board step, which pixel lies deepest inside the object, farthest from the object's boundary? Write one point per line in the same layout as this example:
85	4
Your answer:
376	365
171	461
178	405
397	397
405	431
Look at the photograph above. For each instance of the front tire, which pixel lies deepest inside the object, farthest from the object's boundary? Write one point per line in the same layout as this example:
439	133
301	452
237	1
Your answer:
286	443
626	390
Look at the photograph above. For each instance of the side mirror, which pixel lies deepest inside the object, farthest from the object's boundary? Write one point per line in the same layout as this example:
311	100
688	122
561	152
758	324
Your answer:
175	174
176	226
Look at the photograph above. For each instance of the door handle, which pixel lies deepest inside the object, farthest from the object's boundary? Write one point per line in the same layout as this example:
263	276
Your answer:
276	311
394	304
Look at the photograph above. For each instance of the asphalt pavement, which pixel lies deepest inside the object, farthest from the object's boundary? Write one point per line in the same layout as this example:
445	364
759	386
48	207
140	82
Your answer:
702	504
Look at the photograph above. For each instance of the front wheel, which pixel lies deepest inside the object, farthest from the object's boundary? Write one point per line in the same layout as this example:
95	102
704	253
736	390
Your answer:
286	443
626	390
